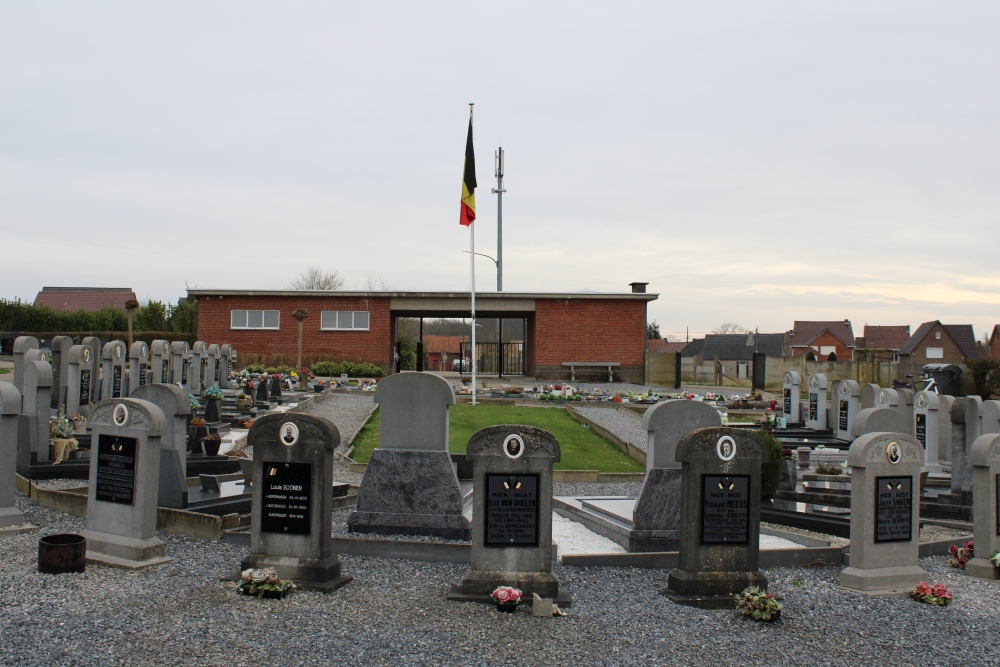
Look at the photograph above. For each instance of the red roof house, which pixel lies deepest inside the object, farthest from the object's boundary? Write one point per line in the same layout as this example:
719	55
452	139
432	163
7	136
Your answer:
84	298
821	339
936	343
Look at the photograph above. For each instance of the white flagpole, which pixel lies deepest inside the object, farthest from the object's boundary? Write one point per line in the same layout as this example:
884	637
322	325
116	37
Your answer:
472	280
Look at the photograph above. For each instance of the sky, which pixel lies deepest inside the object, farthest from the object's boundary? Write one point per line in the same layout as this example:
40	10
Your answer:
754	162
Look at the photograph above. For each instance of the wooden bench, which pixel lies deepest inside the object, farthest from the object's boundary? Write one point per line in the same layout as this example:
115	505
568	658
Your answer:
610	365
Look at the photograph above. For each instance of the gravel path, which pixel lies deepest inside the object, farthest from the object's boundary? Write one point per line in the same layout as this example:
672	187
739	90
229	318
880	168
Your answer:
625	425
394	613
348	411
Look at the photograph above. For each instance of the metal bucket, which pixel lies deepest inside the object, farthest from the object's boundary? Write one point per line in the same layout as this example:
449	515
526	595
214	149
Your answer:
62	553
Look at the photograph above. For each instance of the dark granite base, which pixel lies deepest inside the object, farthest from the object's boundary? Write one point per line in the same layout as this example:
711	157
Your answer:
658	507
562	597
702	601
316	574
646	541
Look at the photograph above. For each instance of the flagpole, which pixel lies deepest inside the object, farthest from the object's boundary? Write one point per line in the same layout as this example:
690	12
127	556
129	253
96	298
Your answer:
472	280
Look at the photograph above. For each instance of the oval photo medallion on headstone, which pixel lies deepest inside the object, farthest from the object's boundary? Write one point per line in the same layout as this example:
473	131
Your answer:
921	401
513	446
788	377
120	415
892	452
843	388
881	397
118	351
289	434
86	354
815	381
725	448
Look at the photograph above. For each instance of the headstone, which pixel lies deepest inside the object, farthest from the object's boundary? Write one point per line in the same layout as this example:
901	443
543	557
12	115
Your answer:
138	366
60	368
885	515
160	365
905	407
878	420
179	351
22	345
199	367
991	417
791	390
113	370
292	499
966	426
124	480
945	404
410	486
720	518
816	413
213	369
511	514
176	408
868	393
833	415
10	408
36	410
927	429
94	343
985	506
80	375
226	355
847	409
657	512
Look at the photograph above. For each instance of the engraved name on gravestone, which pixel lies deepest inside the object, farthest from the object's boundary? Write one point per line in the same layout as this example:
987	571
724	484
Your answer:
512	510
116	469
286	501
894	507
725	517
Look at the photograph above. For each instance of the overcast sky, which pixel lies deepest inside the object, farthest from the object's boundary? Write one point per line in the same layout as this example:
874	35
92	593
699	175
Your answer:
756	162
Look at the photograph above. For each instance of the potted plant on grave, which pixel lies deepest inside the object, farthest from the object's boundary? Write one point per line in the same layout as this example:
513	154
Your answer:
931	594
213	397
210	444
319	387
63	442
263	583
507	598
244	402
758	604
198	429
79	423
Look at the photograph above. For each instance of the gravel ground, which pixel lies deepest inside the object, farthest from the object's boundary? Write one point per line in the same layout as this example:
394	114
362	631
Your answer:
394	613
348	411
625	425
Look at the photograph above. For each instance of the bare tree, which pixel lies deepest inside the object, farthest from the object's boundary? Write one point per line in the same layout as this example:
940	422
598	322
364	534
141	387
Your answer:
373	283
315	278
730	328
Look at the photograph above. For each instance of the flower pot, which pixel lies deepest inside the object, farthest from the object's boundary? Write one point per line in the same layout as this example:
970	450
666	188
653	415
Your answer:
319	388
212	410
58	554
508	607
211	447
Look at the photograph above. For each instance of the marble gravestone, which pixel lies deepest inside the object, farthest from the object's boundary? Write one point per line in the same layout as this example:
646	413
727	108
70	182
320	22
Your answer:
124	483
868	393
176	408
60	347
213	368
511	514
878	420
293	501
847	410
966	426
138	366
905	407
199	366
33	423
791	393
657	512
720	518
929	427
226	356
990	417
22	346
80	375
94	343
159	352
885	515
179	351
816	412
985	458
113	370
10	408
410	486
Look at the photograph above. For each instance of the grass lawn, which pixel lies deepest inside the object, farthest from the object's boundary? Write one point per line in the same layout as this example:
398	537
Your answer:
582	449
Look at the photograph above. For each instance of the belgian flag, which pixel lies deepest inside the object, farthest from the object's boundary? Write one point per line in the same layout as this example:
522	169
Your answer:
468	211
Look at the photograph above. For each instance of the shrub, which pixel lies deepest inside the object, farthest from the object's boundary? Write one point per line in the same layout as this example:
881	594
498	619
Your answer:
254	368
770	469
985	377
333	369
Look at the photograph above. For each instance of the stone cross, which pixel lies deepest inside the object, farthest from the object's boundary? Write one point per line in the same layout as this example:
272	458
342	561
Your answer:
410	486
10	408
60	369
885	515
138	366
720	518
176	408
292	501
927	428
847	409
511	514
94	343
124	481
22	345
656	515
113	370
33	424
791	388
160	352
985	505
816	415
79	375
179	363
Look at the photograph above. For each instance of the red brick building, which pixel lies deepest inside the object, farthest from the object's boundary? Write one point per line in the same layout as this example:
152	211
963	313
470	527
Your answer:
995	342
361	326
936	343
821	339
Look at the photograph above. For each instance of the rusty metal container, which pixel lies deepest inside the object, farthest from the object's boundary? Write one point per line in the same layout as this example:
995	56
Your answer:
62	553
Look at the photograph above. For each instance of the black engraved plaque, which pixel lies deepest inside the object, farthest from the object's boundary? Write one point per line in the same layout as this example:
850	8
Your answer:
286	498
184	372
787	405
84	386
165	373
218	370
725	509
843	416
204	368
813	406
893	509
116	469
921	428
511	510
116	382
142	374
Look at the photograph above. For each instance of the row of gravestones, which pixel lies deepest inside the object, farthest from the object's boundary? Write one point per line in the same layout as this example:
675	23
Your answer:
83	374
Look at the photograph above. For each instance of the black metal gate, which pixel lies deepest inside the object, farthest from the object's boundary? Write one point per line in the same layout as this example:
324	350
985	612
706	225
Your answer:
494	358
759	370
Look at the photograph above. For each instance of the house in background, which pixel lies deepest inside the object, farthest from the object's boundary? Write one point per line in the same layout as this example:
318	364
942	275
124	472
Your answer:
820	340
441	351
936	343
664	346
994	344
735	351
71	299
882	339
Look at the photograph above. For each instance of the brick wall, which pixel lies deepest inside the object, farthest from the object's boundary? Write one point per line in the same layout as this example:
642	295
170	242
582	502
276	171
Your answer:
374	345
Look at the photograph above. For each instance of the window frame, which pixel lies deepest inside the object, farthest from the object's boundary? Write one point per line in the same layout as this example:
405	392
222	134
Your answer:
323	314
246	319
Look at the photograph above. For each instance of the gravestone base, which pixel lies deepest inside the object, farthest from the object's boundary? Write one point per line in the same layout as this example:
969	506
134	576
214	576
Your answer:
322	575
882	581
124	552
477	585
982	568
10	516
656	516
449	527
710	590
648	541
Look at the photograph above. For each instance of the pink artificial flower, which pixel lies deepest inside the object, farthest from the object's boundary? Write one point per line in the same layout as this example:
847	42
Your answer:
953	550
923	588
940	591
969	545
962	561
503	595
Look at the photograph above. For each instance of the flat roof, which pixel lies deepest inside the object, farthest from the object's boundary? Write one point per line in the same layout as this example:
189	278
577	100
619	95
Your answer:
636	296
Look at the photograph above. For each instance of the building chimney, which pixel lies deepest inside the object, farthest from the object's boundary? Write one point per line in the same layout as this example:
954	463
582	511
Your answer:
638	288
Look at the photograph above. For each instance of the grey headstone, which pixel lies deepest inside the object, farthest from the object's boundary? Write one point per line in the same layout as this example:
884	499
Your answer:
791	389
885	515
10	408
60	368
113	370
945	404
22	345
226	356
176	408
159	351
834	411
991	417
292	500
124	483
80	374
816	409
927	428
414	412
199	365
877	420
94	344
985	458
36	410
213	370
966	426
138	366
179	351
868	393
720	518
847	410
905	407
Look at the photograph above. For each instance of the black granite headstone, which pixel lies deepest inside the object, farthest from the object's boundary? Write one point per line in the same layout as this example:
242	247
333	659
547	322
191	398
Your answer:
511	510
893	509
116	469
787	401
813	407
116	382
286	502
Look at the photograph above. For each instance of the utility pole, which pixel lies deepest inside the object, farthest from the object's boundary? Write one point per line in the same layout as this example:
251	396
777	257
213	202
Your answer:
498	191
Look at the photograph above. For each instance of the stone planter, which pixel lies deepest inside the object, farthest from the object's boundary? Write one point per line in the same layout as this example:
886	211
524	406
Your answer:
212	410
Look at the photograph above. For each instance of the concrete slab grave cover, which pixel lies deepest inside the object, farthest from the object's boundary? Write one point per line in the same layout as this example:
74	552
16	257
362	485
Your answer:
292	500
985	458
847	410
113	370
720	518
791	390
10	409
885	515
173	402
656	517
511	514
138	366
410	486
816	413
124	484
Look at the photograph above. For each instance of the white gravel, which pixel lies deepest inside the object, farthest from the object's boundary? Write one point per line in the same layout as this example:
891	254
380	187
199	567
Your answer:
348	411
624	424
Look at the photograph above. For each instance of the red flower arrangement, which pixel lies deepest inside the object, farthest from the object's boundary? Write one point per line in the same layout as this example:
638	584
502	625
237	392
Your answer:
960	555
932	594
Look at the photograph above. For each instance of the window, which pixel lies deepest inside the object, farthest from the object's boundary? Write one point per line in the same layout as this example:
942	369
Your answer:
937	335
254	319
339	320
742	369
827	350
934	353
